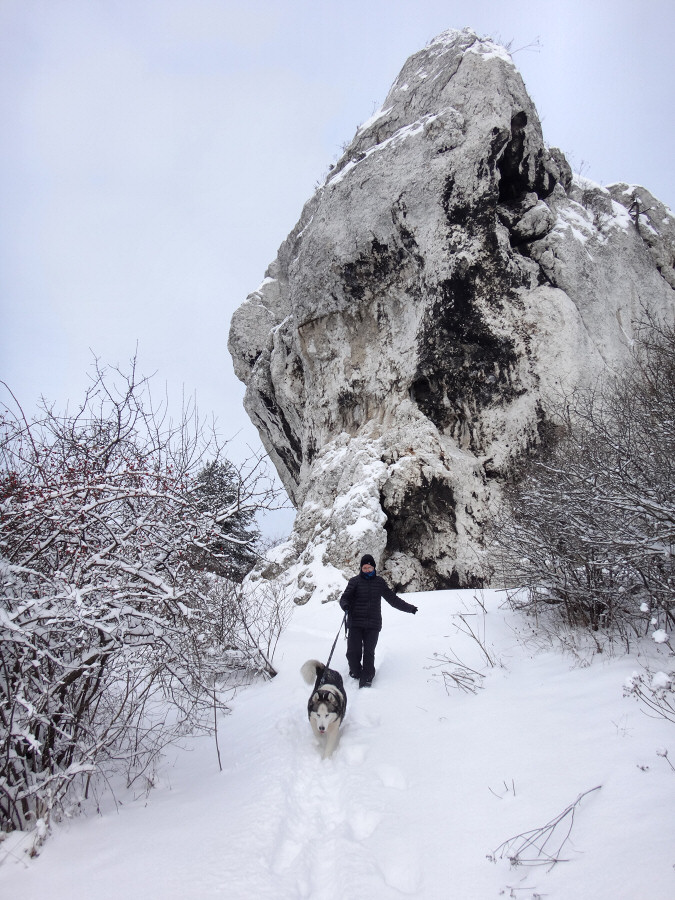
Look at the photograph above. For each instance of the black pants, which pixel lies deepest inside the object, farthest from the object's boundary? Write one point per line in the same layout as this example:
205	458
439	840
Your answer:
361	645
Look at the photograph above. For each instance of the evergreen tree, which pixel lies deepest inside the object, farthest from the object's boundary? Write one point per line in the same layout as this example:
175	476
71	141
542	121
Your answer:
217	494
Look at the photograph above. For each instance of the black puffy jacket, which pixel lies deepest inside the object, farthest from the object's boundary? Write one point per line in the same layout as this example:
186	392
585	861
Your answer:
362	601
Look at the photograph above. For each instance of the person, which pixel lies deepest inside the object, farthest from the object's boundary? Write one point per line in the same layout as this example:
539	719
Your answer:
361	601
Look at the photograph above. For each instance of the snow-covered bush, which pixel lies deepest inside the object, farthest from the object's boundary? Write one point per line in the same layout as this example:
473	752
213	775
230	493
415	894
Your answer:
655	691
109	528
590	529
243	624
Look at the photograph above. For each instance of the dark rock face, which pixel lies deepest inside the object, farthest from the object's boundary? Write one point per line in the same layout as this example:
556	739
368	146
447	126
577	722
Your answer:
446	279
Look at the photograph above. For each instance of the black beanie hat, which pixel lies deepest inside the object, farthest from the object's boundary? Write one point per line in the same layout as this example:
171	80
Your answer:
367	559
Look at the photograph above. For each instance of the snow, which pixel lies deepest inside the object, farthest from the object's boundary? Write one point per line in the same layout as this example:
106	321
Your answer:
426	783
381	113
449	36
631	190
261	286
661	680
489	50
401	134
575	218
482	46
581	221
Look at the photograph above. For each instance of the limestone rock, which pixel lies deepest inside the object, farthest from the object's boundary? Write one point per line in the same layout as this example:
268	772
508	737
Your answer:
447	278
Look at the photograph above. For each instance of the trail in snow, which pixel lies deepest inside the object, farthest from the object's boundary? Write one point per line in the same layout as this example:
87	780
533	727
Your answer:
331	809
424	784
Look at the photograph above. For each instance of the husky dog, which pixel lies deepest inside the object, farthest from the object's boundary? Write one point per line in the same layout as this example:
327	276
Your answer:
328	703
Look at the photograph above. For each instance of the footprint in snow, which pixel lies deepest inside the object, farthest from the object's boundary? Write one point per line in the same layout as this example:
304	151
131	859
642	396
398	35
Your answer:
354	754
401	870
367	719
286	855
392	777
363	823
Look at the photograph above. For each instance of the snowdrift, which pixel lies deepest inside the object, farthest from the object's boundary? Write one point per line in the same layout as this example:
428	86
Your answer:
479	728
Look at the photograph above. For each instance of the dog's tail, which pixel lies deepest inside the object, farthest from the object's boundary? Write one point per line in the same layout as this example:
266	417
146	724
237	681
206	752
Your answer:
311	670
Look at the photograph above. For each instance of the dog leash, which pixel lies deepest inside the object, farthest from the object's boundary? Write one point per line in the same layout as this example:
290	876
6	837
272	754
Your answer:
332	650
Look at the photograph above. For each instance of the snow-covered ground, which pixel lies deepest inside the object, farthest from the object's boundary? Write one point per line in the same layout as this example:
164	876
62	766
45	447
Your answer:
426	782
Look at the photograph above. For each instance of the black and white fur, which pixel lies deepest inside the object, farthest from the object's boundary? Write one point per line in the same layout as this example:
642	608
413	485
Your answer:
327	704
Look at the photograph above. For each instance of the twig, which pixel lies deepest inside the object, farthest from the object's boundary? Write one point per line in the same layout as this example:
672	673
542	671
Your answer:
501	796
529	848
215	729
469	632
461	676
664	754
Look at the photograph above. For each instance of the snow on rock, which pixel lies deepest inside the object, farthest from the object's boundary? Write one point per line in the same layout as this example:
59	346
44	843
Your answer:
445	282
653	221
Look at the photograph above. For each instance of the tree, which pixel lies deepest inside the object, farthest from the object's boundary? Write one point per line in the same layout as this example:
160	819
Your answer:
589	527
217	488
104	616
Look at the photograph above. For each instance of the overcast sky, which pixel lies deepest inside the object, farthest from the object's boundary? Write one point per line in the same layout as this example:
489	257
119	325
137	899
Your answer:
155	153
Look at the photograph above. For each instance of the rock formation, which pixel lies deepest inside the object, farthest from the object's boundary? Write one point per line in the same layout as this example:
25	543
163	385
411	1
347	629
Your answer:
447	278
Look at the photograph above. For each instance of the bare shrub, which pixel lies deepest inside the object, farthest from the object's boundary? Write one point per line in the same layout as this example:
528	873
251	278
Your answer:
456	674
655	692
108	528
589	528
245	623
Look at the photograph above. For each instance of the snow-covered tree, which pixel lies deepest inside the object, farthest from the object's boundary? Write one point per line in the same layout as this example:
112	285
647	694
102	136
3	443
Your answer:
590	529
217	487
109	516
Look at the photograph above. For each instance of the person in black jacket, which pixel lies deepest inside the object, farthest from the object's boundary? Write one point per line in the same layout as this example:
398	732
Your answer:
361	601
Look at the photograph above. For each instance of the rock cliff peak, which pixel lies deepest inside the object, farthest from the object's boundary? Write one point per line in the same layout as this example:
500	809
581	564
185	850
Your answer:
447	278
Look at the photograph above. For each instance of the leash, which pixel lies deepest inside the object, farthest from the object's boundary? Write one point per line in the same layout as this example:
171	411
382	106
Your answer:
332	649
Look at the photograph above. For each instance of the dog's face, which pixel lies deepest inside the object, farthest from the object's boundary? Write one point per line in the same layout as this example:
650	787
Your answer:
323	716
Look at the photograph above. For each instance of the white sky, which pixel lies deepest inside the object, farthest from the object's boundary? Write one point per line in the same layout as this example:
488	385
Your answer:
155	153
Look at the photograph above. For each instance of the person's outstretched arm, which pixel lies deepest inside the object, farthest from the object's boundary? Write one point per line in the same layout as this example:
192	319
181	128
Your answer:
395	601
